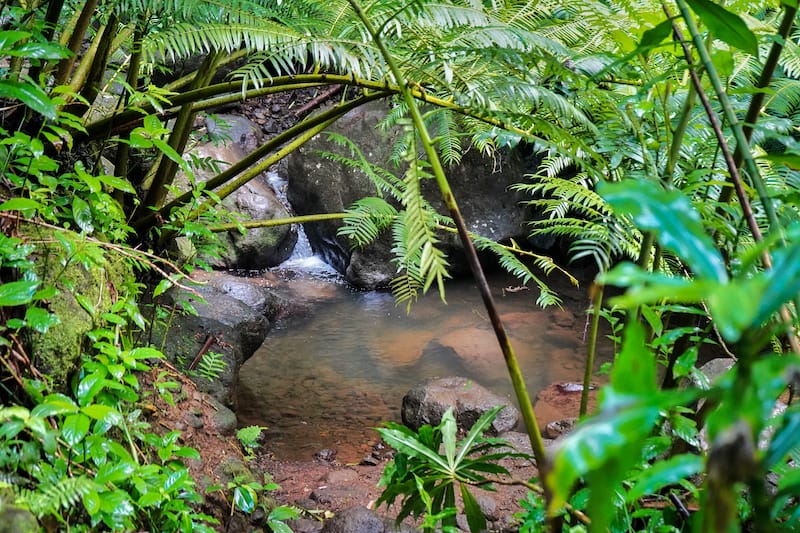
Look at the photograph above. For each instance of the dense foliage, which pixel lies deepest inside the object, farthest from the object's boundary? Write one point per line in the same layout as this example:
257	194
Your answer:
668	138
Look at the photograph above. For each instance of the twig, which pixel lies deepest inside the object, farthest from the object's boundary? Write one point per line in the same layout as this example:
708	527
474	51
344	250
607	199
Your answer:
316	101
210	339
682	510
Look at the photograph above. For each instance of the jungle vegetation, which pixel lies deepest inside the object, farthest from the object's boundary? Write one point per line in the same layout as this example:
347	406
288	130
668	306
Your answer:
668	134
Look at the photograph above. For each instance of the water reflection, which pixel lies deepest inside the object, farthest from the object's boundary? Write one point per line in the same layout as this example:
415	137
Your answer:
324	379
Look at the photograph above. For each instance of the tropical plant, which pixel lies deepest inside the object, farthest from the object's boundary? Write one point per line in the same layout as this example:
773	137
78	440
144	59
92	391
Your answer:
431	465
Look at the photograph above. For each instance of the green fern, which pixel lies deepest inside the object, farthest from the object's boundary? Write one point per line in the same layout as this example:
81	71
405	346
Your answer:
212	365
365	219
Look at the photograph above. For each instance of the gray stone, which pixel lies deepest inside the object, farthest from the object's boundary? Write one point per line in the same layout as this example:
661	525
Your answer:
713	370
257	248
238	128
224	418
362	520
428	401
230	328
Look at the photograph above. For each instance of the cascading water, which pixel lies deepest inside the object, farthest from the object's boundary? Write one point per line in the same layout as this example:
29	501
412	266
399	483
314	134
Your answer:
303	259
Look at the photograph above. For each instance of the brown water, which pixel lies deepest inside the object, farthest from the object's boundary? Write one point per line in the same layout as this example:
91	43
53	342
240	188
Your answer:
326	378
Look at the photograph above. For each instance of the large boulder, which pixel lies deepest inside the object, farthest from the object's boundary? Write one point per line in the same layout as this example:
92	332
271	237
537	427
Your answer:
257	248
211	320
428	401
320	185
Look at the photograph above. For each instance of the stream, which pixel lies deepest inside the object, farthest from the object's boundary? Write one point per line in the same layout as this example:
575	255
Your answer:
325	377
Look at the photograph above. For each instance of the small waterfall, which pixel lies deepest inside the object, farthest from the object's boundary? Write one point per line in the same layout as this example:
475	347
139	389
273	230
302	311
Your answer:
303	260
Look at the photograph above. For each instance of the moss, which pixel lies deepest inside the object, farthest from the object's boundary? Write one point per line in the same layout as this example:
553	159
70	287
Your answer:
77	269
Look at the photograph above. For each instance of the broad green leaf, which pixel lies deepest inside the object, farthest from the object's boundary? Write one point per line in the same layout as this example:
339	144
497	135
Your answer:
785	439
685	363
17	292
449	428
475	517
283	512
162	287
476	431
113	472
91	501
116	182
103	413
278	527
654	36
29	94
41	51
9	37
664	474
75	428
244	498
55	404
609	437
82	214
670	215
733	305
40	319
726	26
408	444
782	285
634	372
20	204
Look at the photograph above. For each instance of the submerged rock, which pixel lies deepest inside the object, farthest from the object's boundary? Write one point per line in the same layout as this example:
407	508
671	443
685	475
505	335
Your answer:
428	401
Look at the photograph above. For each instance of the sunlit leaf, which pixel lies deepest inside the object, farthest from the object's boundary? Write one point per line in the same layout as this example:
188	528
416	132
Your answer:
82	214
29	94
75	428
664	474
670	215
726	26
17	292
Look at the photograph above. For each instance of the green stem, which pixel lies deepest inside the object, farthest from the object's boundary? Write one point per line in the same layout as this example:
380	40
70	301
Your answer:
597	299
75	41
165	171
300	219
237	168
537	444
733	122
757	101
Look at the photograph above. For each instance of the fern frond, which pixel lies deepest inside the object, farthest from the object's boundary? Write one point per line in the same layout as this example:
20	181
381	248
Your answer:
512	264
365	219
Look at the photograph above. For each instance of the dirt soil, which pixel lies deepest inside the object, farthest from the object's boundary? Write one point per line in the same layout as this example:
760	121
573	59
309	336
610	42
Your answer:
320	487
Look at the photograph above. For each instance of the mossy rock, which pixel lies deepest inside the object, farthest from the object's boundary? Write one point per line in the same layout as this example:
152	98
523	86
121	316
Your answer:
16	520
78	269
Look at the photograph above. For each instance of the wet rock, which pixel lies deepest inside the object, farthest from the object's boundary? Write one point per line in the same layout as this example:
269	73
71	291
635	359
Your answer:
222	324
257	248
428	401
362	520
